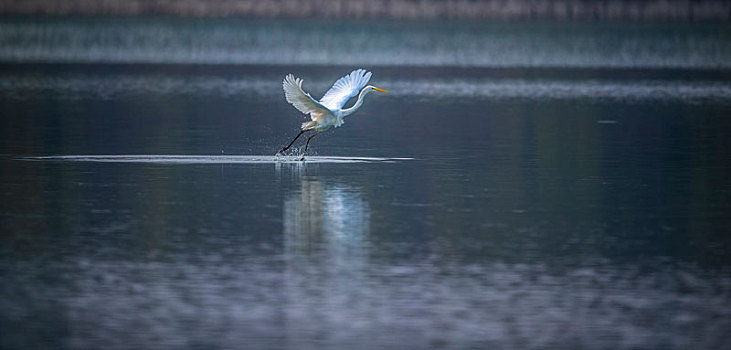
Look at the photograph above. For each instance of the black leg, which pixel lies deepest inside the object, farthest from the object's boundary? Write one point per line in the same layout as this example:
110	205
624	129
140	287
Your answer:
295	139
310	138
308	143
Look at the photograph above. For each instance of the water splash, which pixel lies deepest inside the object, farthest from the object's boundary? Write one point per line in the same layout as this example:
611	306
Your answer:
210	159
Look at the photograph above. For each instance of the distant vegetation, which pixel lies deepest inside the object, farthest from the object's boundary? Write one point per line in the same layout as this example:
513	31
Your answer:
676	10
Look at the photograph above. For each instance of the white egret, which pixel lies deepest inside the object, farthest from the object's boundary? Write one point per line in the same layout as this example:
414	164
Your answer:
328	112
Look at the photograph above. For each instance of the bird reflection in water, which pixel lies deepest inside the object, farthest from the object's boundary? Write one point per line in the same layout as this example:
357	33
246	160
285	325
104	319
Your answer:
326	224
326	228
326	220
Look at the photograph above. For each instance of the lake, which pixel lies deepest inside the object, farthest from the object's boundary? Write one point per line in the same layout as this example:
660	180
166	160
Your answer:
523	185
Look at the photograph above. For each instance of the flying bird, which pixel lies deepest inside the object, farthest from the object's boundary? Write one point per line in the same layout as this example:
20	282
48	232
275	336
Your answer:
328	112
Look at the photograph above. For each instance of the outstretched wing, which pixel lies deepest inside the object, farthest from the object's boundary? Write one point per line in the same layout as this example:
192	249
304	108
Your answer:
300	99
345	88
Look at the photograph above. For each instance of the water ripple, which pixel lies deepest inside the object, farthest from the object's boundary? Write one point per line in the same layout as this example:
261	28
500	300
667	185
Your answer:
209	159
75	87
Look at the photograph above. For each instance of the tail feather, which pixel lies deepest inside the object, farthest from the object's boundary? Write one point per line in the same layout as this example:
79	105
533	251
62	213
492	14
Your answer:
309	125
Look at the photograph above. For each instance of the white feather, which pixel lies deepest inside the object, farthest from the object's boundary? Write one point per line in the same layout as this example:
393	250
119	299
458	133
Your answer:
345	88
300	99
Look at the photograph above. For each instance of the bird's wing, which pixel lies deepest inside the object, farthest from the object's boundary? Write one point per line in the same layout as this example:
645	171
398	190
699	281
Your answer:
345	88
300	99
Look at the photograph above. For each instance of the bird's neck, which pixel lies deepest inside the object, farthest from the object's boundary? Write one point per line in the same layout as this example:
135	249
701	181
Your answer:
348	111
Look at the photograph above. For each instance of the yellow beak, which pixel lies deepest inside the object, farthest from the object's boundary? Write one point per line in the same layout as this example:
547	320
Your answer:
380	90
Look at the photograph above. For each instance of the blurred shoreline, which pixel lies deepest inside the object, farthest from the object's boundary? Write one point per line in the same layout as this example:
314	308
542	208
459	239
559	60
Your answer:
636	10
423	72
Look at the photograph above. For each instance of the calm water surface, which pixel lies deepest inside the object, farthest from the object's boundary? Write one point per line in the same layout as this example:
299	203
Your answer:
570	201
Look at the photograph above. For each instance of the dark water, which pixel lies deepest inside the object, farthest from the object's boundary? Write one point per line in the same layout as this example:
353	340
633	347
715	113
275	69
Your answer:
508	205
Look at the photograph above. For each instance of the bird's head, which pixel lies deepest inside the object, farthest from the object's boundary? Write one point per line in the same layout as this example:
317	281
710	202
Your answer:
370	88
